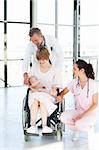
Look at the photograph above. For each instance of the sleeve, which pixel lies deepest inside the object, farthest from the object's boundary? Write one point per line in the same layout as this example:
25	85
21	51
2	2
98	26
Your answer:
95	87
32	70
56	56
57	79
70	86
27	58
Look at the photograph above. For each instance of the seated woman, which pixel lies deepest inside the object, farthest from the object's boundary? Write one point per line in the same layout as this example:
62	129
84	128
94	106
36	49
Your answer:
49	78
85	90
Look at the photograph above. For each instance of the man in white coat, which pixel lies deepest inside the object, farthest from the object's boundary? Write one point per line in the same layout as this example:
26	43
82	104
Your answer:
37	40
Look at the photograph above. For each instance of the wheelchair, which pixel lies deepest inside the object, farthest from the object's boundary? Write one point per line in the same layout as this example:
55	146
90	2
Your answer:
53	120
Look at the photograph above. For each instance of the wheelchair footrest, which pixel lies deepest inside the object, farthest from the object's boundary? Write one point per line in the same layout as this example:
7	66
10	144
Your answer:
49	134
32	134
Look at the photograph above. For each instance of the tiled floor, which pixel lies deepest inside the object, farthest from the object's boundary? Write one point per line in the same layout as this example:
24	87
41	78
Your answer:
11	133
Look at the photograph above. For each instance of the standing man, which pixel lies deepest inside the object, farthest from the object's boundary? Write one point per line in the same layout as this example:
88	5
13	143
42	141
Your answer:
37	40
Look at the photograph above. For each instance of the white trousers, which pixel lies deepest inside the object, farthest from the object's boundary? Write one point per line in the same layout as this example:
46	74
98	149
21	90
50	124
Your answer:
83	124
45	98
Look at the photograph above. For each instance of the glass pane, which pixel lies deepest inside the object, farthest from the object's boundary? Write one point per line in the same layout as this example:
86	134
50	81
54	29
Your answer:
89	12
18	10
45	11
65	37
1	41
15	77
1	74
68	70
65	11
90	41
1	10
17	36
47	29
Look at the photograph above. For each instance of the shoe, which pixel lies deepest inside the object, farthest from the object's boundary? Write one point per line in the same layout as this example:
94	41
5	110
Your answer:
47	129
32	130
75	136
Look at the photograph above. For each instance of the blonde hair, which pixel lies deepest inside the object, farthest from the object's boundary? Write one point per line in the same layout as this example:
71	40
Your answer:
42	53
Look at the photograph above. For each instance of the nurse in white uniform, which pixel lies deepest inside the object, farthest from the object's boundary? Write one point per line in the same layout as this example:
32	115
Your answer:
85	90
43	99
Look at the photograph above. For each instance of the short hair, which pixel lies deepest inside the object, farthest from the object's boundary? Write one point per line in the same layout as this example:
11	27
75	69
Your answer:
34	31
42	53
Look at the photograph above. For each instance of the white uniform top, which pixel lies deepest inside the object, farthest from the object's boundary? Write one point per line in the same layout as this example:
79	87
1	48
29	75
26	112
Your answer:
49	78
83	97
56	55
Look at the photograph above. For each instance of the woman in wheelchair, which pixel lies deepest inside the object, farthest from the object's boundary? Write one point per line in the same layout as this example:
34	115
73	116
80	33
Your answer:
44	81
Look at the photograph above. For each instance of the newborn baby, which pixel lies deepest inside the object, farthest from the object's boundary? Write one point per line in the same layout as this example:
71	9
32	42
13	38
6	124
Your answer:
35	84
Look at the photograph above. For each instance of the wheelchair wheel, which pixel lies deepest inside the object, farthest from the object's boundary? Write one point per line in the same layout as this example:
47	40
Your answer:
59	131
25	119
59	135
26	137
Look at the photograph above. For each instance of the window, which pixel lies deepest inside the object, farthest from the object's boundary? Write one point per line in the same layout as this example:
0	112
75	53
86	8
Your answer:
18	10
90	32
89	27
46	11
18	24
65	12
17	35
1	10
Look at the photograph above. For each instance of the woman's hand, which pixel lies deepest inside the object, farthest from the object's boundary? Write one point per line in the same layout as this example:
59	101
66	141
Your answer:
59	99
78	117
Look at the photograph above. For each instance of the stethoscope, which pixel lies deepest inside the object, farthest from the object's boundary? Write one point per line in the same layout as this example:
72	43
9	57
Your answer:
78	84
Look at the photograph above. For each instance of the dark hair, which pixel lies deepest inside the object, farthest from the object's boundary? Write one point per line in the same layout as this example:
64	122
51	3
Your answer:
87	67
34	31
42	53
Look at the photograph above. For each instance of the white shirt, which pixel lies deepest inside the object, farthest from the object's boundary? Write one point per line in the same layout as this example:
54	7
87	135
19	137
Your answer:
56	55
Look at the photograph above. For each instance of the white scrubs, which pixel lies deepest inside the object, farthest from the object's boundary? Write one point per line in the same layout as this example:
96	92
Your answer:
83	100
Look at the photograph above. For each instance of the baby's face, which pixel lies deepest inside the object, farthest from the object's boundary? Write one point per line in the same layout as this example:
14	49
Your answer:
33	79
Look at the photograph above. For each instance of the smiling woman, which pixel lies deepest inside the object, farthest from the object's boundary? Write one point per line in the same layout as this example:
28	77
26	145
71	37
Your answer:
50	77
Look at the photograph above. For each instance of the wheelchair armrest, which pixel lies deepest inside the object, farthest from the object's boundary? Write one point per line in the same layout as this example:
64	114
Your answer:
60	105
58	91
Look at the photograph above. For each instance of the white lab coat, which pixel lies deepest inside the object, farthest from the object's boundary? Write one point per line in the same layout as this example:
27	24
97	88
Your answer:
56	55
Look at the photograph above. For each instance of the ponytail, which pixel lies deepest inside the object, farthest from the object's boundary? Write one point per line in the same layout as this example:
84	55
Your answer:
87	67
89	71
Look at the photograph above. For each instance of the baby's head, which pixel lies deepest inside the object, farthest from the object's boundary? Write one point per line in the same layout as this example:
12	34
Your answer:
32	79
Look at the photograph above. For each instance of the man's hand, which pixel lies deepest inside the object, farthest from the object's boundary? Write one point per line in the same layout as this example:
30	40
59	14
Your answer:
26	79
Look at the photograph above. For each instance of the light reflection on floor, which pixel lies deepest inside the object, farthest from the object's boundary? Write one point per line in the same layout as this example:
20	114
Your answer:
11	134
